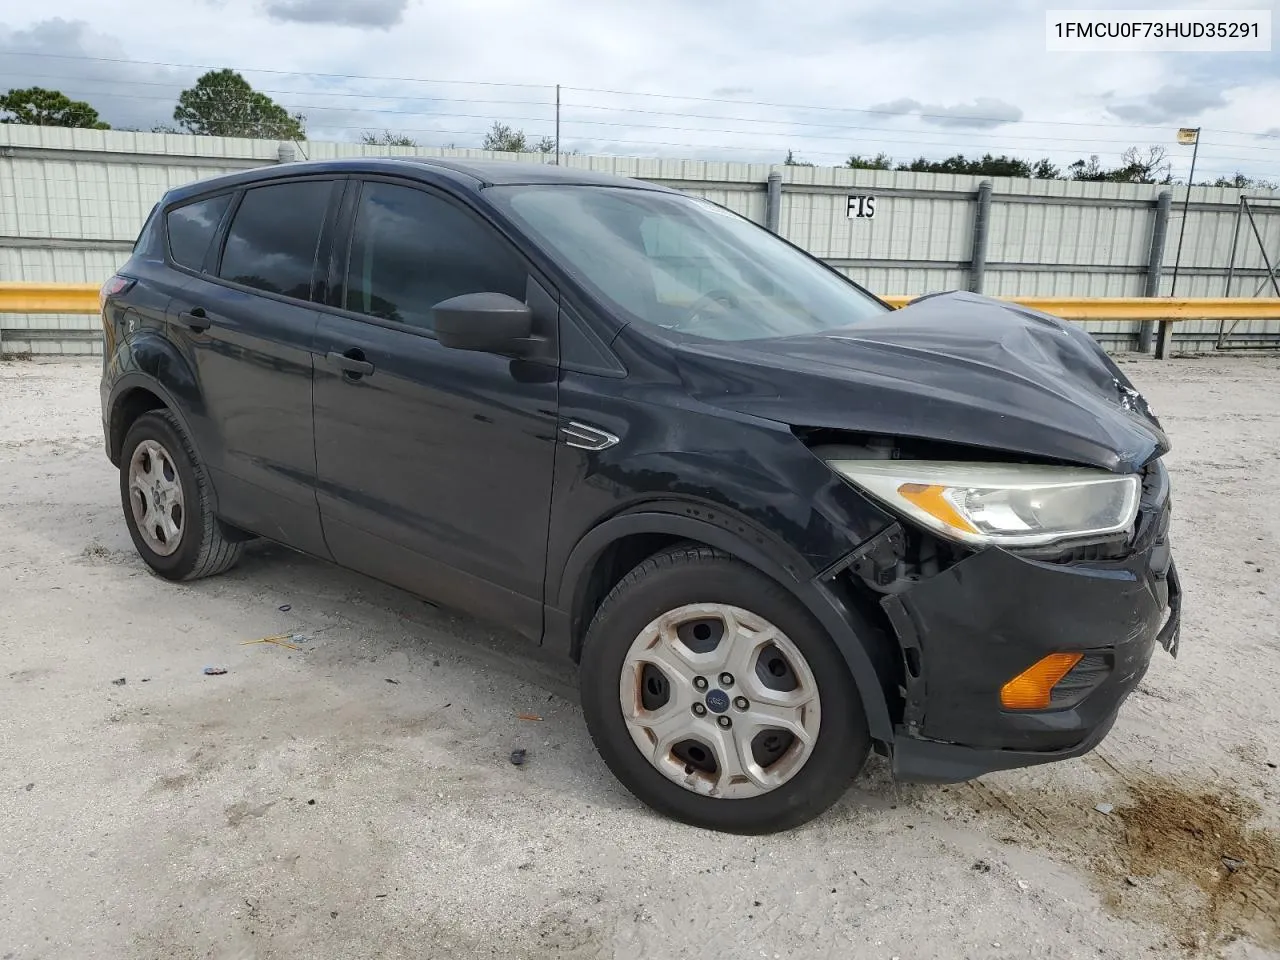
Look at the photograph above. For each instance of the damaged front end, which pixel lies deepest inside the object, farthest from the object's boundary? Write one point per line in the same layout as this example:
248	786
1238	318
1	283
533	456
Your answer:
972	621
1027	573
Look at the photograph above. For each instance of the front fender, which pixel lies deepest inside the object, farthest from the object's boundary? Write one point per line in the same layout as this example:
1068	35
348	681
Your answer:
743	540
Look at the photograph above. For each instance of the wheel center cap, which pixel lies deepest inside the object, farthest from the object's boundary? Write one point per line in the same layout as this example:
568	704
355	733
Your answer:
717	701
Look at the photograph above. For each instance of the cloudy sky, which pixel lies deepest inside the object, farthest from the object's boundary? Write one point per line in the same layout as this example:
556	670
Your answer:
740	80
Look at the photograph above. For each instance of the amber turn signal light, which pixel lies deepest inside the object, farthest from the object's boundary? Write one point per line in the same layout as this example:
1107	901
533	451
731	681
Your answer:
1032	689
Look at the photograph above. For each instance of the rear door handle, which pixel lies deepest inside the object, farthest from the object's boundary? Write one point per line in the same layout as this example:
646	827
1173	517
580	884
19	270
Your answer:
195	319
352	363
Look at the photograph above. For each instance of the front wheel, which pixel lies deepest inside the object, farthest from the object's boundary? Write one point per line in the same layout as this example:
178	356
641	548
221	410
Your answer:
715	697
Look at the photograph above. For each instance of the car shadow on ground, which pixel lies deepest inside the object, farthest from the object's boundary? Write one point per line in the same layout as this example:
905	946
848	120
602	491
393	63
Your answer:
396	624
363	632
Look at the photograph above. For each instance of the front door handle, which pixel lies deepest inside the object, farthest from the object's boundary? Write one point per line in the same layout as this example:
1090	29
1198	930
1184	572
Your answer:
352	363
195	319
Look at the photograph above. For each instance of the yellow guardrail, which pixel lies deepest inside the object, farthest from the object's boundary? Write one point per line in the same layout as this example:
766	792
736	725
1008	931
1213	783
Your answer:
83	298
49	297
1146	308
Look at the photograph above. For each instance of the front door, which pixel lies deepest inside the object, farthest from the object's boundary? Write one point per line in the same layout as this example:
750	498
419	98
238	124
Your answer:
434	465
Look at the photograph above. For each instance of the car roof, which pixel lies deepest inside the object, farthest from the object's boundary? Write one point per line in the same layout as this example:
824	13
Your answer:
466	174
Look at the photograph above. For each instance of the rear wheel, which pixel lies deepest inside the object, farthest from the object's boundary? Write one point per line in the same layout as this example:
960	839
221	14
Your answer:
714	696
165	493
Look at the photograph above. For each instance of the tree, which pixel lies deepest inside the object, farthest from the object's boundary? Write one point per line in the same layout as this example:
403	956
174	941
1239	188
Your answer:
1150	167
387	139
1044	170
39	107
984	166
1135	167
1087	170
881	161
1241	182
507	139
223	104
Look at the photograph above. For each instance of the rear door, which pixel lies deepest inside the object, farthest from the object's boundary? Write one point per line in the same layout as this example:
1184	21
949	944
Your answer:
249	321
434	465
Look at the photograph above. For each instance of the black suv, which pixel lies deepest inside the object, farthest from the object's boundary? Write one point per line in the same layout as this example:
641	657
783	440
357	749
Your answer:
777	523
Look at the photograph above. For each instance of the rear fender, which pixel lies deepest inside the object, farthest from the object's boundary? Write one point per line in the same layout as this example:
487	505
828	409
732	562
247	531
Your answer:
150	362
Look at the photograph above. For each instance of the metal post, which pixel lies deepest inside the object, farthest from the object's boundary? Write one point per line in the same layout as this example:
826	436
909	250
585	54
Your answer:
557	124
1186	204
981	226
773	202
1223	332
1262	249
1165	341
1235	242
1155	264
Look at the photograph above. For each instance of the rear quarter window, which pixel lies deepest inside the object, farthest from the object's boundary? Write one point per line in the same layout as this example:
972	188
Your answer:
191	228
146	241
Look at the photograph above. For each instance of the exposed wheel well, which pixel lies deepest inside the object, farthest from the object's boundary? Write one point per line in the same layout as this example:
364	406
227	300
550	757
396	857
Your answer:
880	642
617	560
129	408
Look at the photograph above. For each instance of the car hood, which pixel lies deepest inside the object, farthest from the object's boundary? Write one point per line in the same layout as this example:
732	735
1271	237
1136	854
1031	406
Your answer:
956	367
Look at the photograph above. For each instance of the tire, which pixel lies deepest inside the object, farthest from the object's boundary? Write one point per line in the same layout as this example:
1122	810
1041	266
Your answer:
202	550
663	589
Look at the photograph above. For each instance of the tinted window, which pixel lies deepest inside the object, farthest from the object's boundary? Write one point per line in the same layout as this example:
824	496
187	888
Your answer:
191	229
274	237
146	242
410	250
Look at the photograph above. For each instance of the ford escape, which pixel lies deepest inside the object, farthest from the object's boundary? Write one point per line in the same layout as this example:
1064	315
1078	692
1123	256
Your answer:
775	523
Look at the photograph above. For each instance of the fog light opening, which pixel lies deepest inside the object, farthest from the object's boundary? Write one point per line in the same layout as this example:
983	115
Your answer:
1032	689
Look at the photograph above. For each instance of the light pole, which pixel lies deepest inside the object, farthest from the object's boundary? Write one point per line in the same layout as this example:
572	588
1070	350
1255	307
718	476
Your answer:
1185	135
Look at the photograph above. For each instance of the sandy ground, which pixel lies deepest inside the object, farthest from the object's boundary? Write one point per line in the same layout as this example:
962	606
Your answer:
355	799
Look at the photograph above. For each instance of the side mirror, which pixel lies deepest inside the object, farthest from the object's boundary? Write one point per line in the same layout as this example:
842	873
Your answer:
486	322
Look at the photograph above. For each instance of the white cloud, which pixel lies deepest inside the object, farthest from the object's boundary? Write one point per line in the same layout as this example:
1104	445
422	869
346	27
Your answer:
984	113
53	55
958	65
1170	103
352	13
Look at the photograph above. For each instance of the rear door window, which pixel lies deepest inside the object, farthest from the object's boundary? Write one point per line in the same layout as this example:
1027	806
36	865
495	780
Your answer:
192	227
411	250
274	237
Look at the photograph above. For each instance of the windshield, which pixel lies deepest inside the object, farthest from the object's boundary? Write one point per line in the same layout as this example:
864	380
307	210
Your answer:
685	264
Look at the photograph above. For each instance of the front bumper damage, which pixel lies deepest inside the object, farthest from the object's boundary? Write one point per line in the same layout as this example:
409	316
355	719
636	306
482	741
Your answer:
968	629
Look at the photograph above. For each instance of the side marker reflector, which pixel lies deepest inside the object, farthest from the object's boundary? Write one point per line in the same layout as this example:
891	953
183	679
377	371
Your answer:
1033	687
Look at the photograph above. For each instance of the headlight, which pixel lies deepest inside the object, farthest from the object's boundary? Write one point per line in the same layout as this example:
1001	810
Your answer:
1001	504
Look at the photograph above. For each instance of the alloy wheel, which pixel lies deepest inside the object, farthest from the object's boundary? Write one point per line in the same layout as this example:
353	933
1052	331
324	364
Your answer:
720	701
155	494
